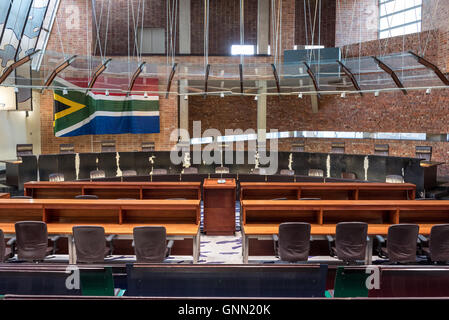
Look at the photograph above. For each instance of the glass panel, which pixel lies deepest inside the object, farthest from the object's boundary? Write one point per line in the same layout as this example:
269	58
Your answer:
32	28
13	32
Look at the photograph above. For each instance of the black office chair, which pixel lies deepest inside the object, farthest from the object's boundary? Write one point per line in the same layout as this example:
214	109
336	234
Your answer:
401	243
129	173
190	170
150	244
348	175
286	172
56	177
350	241
90	244
438	244
5	253
292	244
86	197
32	241
157	172
97	174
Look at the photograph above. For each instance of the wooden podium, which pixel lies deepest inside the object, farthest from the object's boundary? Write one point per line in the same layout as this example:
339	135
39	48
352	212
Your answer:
219	206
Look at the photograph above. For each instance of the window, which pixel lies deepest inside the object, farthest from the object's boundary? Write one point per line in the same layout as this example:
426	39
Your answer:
237	49
153	40
399	17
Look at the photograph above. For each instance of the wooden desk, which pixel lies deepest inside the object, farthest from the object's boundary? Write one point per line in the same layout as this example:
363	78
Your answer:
181	218
327	191
4	196
261	218
114	190
219	206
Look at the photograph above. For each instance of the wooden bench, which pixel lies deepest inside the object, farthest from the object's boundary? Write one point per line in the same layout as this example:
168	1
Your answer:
327	191
4	196
114	190
261	218
181	218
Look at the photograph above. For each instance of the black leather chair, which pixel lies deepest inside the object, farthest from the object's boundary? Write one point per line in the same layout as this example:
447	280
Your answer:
221	170
287	172
190	170
56	177
292	244
129	173
348	175
150	244
32	241
350	241
316	173
90	244
97	174
401	243
5	252
159	172
86	197
438	244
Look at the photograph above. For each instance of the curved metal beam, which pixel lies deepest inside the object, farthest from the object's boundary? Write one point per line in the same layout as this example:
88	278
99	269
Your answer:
206	78
312	76
172	74
392	74
241	77
57	71
135	76
276	78
101	68
350	76
432	67
15	65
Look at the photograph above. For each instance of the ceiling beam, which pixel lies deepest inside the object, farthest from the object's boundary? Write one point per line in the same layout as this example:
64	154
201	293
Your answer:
350	75
431	66
101	68
241	77
135	76
206	78
170	79
57	71
392	74
15	65
276	78
312	76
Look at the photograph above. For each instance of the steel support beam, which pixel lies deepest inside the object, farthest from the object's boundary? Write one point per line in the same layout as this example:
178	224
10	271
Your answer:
392	74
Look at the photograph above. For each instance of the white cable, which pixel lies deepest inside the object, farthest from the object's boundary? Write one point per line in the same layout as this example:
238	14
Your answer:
107	30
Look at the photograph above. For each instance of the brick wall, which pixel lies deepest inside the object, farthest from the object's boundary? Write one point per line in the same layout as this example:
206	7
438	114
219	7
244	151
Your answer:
323	29
357	21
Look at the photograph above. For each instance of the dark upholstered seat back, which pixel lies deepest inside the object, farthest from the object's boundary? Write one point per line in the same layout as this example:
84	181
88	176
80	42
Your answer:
56	177
150	244
2	246
90	244
86	197
350	240
32	240
401	242
129	173
294	241
439	243
190	170
96	174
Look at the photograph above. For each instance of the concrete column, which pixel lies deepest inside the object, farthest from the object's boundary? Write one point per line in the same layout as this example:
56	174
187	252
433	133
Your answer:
262	114
263	26
184	30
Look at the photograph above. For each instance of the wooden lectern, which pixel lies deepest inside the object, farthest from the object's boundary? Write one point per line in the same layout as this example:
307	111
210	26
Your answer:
219	206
